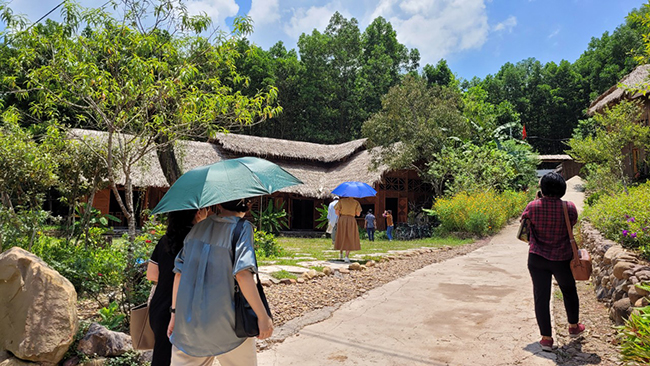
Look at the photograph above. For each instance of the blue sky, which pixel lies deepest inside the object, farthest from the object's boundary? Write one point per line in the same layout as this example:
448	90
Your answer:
476	37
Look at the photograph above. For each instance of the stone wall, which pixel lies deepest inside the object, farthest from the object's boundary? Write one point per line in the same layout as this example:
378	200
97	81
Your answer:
616	271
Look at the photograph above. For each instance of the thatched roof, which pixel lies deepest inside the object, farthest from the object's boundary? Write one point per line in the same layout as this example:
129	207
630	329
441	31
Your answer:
269	148
319	177
638	78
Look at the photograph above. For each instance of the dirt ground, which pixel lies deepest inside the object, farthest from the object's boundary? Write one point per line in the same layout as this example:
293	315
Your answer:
598	346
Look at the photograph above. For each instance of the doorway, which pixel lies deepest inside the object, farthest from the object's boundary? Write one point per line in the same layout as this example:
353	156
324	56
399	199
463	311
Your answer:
302	214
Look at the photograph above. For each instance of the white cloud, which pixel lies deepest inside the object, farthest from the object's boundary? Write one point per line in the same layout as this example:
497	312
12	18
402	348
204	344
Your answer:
507	25
218	10
437	28
264	12
555	32
305	20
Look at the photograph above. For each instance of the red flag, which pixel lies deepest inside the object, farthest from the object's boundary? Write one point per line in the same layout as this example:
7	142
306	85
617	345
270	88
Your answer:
523	133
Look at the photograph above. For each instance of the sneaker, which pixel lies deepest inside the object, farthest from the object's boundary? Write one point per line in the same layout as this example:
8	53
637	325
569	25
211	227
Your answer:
577	331
347	260
547	344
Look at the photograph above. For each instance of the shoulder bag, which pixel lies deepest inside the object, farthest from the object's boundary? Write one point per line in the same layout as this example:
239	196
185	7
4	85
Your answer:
141	333
581	263
245	317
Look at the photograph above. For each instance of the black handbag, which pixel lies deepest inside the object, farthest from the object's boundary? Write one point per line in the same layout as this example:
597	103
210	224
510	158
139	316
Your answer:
245	317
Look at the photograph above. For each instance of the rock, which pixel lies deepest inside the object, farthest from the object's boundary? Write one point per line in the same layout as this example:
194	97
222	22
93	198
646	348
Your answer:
370	263
642	292
31	292
145	356
274	280
266	283
354	266
300	280
312	273
103	342
642	302
95	362
74	361
620	311
286	281
344	270
621	267
643	275
612	253
633	294
7	359
327	270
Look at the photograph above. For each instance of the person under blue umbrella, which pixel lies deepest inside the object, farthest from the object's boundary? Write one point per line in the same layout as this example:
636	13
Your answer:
347	231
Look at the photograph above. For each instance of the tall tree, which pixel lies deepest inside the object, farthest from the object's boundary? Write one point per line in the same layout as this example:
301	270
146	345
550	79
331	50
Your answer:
145	86
415	123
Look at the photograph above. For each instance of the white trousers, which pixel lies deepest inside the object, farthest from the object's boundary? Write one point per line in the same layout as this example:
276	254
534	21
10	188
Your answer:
244	355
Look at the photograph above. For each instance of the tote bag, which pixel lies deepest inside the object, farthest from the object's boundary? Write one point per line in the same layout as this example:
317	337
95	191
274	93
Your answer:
141	332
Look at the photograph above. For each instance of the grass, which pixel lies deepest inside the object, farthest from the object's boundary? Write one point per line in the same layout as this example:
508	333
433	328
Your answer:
322	249
283	274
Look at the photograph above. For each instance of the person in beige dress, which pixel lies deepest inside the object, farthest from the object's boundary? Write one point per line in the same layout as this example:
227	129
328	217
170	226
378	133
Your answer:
347	231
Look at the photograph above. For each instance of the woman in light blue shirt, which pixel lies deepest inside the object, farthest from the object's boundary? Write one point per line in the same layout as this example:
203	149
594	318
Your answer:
202	326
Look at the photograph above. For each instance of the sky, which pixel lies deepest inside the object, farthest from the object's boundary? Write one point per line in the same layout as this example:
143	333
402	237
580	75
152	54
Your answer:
476	37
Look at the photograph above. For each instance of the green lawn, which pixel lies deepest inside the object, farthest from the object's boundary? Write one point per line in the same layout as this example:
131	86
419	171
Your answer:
322	249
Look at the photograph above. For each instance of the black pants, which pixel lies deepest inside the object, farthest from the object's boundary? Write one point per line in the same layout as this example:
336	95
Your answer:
541	270
162	350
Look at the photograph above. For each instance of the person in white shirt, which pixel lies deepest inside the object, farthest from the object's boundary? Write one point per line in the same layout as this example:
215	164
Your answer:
333	218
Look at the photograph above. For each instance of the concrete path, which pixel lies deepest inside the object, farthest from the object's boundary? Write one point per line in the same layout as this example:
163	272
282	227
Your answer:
471	310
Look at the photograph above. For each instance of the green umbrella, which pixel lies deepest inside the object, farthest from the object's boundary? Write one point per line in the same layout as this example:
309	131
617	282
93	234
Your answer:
224	181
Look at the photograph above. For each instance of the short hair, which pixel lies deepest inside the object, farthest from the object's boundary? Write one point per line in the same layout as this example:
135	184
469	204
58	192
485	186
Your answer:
552	185
370	210
240	205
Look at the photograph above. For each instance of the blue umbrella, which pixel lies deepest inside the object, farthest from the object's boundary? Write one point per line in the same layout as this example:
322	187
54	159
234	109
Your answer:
354	189
224	181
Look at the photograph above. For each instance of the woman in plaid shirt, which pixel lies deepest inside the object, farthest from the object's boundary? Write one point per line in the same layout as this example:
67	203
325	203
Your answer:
550	254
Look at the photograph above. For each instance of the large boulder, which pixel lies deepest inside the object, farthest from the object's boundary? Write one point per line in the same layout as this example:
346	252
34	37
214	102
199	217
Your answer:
38	308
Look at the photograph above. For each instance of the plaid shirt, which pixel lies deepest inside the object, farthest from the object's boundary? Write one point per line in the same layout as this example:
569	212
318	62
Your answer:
550	238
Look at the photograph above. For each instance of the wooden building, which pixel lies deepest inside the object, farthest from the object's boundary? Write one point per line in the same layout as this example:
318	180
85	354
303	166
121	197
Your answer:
321	168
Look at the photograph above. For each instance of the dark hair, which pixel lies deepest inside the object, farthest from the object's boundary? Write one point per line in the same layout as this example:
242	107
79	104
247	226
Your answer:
179	224
240	205
370	210
389	211
552	185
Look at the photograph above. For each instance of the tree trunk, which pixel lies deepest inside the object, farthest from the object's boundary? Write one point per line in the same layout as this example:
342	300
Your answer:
131	217
167	159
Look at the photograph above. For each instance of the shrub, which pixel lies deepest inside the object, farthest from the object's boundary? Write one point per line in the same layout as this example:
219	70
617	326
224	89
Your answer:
624	217
635	337
481	213
266	245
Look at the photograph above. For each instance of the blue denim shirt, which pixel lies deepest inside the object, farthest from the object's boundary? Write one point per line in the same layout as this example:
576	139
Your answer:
205	315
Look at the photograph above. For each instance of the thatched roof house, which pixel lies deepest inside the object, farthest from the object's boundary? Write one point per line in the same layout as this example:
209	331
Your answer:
637	79
320	167
631	87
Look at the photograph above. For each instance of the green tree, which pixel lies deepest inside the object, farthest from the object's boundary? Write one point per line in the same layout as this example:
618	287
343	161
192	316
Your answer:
27	171
145	86
606	152
416	122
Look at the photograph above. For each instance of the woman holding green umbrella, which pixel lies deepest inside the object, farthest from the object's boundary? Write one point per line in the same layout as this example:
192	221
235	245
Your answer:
201	325
201	328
